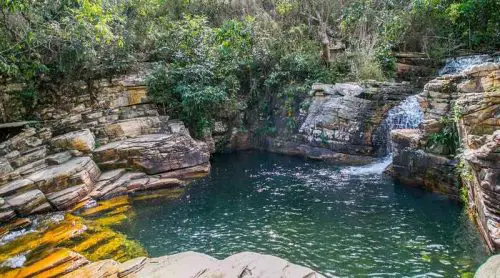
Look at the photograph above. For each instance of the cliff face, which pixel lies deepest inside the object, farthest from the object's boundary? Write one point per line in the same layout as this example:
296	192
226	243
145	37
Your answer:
95	144
460	111
339	123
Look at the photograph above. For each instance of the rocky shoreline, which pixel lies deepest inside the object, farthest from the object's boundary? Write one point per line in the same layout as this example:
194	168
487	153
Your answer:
470	101
91	159
192	264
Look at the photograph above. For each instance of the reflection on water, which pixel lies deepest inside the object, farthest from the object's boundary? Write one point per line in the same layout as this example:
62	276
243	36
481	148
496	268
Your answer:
339	221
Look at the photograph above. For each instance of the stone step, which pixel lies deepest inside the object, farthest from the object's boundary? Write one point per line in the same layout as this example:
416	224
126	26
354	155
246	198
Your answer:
76	171
153	153
29	156
68	197
27	203
117	187
16	187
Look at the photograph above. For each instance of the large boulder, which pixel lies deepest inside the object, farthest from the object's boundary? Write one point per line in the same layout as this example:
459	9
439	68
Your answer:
413	166
153	153
192	264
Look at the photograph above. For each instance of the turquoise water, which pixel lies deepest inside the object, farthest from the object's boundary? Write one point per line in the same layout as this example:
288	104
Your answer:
333	219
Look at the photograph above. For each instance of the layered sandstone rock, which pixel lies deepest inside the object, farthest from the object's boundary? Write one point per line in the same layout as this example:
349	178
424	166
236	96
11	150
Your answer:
81	140
470	100
154	153
415	166
342	122
40	172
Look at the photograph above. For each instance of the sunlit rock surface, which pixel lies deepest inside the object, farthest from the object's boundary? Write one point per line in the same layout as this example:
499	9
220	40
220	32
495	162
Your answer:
154	153
490	269
192	264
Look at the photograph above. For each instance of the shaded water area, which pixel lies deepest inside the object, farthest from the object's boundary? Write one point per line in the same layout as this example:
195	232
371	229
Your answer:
340	221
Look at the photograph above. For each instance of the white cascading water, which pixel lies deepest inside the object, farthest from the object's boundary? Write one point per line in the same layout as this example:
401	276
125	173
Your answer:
458	64
406	115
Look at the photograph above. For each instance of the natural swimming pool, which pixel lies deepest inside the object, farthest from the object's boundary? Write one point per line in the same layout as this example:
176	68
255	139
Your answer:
343	221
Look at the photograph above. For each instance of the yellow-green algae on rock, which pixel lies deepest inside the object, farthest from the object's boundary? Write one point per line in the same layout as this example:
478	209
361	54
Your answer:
53	249
57	245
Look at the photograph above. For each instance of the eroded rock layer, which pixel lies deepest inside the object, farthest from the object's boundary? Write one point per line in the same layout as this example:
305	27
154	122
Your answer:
57	166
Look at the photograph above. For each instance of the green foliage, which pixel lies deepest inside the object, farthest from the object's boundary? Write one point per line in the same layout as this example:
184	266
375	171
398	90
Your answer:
447	137
464	172
324	138
203	69
212	53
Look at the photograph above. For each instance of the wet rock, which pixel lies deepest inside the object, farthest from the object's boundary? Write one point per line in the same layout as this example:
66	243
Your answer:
82	140
7	215
57	263
154	153
116	187
155	183
188	173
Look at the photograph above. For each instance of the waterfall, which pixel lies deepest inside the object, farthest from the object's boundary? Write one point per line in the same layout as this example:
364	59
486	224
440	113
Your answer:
406	115
457	64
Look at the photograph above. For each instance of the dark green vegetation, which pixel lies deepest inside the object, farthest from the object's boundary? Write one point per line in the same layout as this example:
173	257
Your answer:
350	222
211	53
